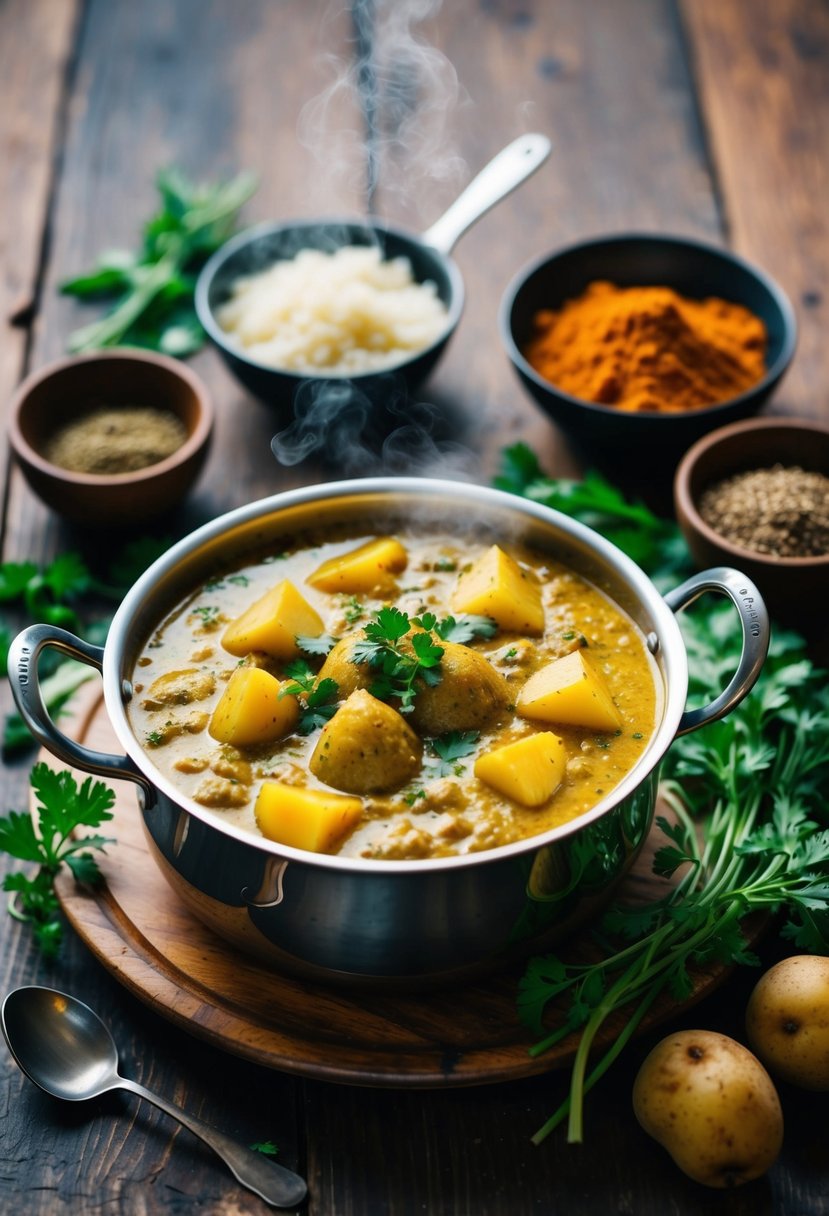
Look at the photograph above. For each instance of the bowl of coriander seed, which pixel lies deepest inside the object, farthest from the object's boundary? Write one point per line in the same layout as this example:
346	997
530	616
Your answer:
111	439
755	495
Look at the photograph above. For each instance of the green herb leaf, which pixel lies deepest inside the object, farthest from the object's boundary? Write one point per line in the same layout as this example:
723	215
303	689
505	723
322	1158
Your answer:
316	645
266	1147
62	807
453	746
466	628
402	654
153	292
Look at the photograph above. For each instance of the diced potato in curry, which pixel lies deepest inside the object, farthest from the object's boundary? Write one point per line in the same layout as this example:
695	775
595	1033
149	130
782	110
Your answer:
528	771
304	819
273	623
366	748
253	709
571	690
496	586
367	570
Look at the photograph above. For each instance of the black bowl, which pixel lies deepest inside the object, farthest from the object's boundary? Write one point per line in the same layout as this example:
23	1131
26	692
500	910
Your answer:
258	248
690	267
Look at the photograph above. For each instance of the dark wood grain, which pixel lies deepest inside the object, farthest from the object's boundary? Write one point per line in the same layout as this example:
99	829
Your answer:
706	117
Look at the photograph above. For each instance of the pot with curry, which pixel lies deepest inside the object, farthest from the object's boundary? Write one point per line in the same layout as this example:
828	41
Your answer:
371	742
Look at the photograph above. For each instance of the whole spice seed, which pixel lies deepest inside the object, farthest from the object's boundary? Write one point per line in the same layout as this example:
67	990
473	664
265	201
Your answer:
781	511
116	439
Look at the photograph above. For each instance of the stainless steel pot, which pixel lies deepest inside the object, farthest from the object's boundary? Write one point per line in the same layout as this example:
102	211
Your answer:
350	918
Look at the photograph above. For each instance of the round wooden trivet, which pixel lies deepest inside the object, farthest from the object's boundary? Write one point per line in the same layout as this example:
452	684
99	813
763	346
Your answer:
136	927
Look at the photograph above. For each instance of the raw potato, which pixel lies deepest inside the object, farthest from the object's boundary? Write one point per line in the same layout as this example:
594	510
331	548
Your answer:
496	586
569	690
712	1105
272	624
529	771
366	748
251	710
304	819
367	570
470	695
787	1020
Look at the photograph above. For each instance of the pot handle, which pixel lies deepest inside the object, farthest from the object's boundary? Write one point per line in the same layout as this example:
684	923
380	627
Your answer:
24	653
754	620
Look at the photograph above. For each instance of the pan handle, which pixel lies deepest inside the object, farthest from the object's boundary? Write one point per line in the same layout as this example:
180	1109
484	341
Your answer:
754	620
508	169
24	653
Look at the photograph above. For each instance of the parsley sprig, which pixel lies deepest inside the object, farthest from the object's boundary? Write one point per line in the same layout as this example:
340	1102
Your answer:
318	699
397	669
752	787
451	748
62	808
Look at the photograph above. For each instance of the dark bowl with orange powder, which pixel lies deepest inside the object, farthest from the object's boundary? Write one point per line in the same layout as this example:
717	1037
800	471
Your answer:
708	348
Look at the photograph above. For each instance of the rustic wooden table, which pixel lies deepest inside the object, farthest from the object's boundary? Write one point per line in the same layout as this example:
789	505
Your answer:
702	117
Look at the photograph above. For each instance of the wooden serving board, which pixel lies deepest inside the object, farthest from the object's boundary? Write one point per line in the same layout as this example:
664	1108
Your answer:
137	927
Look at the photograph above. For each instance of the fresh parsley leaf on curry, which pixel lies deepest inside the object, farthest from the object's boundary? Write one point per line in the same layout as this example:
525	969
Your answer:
398	697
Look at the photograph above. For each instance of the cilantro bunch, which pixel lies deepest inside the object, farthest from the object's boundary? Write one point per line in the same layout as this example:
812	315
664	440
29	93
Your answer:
749	827
61	809
153	289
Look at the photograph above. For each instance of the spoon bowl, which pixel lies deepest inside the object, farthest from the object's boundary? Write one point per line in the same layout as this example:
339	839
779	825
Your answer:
60	1044
64	1047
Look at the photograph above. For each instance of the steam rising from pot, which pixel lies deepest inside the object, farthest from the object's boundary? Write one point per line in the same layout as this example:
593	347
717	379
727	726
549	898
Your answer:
408	92
338	424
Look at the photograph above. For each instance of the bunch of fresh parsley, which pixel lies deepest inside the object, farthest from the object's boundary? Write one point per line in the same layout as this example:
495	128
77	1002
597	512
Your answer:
62	808
57	594
153	290
752	788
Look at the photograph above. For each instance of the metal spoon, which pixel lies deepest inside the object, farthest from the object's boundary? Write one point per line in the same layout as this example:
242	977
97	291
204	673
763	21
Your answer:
64	1047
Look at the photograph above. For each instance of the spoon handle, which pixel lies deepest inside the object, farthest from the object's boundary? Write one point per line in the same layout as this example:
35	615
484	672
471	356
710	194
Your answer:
495	181
280	1187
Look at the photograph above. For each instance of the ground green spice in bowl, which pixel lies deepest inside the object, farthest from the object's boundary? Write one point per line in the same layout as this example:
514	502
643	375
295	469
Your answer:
781	511
116	439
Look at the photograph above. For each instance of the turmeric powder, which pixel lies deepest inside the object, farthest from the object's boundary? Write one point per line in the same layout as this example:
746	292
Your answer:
648	348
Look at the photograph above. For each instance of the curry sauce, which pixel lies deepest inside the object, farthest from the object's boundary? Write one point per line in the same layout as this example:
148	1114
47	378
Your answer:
438	806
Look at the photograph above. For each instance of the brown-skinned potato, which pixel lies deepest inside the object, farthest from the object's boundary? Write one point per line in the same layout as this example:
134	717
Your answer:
787	1020
709	1102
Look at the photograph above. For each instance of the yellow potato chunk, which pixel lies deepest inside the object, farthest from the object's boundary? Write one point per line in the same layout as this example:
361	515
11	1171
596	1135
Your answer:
496	586
529	771
272	623
251	711
569	690
304	819
367	570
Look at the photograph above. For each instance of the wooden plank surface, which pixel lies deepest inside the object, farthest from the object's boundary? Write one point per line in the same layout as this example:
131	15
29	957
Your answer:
763	80
36	45
679	117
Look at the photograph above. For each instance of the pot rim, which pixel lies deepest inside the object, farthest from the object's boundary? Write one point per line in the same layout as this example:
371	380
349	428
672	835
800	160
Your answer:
671	647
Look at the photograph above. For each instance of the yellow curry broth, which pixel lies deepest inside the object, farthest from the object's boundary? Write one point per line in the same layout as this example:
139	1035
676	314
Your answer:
445	809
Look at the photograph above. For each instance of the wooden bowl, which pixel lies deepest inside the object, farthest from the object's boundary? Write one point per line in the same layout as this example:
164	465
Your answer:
794	588
55	394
